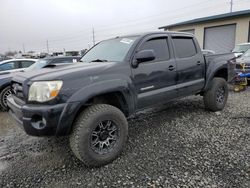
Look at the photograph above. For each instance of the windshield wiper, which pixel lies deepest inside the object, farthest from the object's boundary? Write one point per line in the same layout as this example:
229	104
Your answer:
99	60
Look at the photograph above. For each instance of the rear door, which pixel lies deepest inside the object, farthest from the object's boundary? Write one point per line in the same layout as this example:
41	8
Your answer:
155	80
190	65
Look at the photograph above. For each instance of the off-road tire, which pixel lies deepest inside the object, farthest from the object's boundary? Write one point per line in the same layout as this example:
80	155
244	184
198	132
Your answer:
212	95
80	138
2	98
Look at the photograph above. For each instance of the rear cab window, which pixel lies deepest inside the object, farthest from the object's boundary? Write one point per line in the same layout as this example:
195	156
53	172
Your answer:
184	47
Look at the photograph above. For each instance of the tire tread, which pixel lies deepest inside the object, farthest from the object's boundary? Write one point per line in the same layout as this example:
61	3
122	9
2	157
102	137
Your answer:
80	124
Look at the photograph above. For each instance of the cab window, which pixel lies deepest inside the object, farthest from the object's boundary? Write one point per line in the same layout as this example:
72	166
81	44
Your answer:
160	47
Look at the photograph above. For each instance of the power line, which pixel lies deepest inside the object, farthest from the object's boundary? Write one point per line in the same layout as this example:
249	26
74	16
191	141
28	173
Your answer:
74	37
133	20
82	39
156	15
134	24
69	36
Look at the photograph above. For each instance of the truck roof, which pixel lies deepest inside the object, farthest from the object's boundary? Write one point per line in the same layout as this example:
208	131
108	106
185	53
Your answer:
156	32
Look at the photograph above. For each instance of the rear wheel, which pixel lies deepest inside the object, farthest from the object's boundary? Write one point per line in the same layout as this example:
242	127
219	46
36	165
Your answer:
216	96
99	135
3	97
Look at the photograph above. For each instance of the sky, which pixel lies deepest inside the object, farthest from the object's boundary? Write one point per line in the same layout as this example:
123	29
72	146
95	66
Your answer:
27	25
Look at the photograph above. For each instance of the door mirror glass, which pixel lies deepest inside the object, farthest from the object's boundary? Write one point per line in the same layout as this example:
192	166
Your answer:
145	55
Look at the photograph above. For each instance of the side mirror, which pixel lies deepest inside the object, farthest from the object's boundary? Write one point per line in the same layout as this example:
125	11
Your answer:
145	55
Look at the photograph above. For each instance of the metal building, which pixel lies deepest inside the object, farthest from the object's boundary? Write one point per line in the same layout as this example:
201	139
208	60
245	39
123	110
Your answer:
219	33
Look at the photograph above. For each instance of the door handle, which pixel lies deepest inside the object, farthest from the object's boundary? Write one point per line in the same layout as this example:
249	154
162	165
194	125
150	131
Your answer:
198	63
171	68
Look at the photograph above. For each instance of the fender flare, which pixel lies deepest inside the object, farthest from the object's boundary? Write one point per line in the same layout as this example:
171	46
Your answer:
212	70
102	87
79	99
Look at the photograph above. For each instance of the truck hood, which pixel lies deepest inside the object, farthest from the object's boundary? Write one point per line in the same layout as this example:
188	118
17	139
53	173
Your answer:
61	72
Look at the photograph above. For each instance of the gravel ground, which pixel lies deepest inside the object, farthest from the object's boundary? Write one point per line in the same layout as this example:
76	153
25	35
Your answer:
175	145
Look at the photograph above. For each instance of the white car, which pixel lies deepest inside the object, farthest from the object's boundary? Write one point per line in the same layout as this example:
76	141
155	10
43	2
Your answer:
240	49
14	65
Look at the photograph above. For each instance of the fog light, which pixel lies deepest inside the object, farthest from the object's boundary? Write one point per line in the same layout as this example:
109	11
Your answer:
38	122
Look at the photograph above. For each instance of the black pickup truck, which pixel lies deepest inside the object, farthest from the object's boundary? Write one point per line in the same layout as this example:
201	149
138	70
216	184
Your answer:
90	100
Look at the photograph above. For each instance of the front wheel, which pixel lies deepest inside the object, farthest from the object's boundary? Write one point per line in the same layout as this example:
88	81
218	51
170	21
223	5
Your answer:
3	97
99	135
215	97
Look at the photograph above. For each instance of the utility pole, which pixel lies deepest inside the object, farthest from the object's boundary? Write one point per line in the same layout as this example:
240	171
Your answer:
47	44
93	33
231	6
64	52
23	48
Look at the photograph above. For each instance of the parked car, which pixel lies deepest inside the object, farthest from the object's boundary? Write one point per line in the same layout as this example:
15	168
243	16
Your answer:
243	59
90	101
241	48
5	79
53	61
242	65
13	65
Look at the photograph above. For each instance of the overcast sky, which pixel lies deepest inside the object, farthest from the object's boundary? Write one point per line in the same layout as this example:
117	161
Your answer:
68	23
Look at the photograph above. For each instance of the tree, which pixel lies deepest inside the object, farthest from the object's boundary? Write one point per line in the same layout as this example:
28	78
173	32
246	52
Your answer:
10	53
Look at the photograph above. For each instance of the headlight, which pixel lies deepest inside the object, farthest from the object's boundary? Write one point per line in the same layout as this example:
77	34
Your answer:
43	91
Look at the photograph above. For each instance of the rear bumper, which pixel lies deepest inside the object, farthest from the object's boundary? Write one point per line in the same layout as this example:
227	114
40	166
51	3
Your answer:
42	120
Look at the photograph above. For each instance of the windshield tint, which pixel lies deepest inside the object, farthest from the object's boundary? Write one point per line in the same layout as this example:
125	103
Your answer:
109	50
38	65
241	48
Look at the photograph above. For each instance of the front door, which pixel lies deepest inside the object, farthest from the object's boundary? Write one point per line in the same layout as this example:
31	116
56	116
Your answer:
155	80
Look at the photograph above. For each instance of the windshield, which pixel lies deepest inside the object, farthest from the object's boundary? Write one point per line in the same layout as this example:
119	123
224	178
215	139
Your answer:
109	50
241	48
38	65
246	54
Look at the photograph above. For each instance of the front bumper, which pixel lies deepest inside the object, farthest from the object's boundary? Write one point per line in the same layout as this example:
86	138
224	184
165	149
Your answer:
42	120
